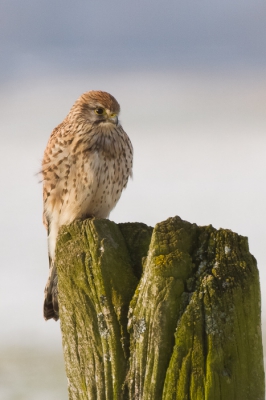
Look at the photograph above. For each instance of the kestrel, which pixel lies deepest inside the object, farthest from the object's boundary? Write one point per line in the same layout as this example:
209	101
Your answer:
86	165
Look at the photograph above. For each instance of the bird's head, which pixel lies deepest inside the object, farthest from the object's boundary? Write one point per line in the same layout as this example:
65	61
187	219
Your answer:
97	107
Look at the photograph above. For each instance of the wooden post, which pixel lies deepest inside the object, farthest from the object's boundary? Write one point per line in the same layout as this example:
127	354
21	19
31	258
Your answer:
166	313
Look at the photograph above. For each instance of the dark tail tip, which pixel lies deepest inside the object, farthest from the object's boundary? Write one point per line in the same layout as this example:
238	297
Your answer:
49	311
50	307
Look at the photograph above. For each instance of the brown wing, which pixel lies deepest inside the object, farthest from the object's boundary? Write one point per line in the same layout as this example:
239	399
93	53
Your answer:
52	157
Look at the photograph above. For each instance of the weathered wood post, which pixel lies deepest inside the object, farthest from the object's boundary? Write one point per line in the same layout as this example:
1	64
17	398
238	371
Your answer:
166	313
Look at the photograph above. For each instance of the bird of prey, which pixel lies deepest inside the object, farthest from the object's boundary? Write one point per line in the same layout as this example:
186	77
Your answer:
86	165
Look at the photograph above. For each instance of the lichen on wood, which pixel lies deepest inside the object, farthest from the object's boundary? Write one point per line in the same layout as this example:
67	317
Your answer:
96	283
166	313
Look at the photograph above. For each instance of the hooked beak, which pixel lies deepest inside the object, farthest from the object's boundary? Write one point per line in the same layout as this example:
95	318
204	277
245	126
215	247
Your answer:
113	118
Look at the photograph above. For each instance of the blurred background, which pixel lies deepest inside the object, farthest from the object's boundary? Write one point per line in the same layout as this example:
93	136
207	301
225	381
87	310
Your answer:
190	79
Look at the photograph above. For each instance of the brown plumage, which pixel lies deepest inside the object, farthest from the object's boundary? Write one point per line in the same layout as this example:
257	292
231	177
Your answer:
86	165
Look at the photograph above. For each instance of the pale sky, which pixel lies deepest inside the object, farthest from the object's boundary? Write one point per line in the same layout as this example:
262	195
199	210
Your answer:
199	144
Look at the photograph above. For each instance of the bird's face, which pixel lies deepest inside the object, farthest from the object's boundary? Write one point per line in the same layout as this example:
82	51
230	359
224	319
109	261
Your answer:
100	114
98	108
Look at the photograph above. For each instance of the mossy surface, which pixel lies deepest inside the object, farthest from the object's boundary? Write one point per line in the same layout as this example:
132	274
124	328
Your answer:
137	237
96	283
188	329
218	347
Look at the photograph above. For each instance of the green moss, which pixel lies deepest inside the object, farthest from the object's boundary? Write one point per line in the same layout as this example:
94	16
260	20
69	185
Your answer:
96	283
137	237
188	329
217	334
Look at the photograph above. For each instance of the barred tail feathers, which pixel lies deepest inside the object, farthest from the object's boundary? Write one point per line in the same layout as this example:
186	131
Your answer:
50	307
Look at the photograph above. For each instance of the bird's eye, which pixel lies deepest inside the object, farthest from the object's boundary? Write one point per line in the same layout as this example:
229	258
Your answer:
99	111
